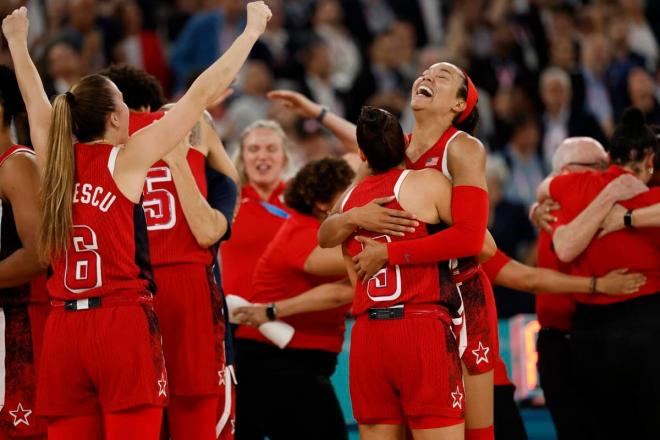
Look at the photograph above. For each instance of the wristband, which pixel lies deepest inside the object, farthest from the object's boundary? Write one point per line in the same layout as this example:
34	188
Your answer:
271	312
627	219
321	116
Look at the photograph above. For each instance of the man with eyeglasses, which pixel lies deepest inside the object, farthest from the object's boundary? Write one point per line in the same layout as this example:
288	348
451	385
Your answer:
555	312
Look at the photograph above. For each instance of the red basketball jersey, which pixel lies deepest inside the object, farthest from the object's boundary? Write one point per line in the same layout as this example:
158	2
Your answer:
108	251
393	284
170	239
9	239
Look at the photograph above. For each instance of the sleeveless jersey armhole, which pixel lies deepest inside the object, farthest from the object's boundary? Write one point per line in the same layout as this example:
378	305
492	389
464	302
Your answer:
112	159
445	167
348	196
399	182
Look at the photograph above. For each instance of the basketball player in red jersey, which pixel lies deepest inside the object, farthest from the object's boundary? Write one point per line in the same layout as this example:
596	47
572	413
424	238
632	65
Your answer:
182	227
420	387
444	105
22	315
102	332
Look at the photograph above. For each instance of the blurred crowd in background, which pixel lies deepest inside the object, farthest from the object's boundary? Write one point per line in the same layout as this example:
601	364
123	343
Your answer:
545	69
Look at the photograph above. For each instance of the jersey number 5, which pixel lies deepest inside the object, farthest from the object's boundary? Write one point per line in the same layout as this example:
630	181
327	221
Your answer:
385	285
158	203
83	263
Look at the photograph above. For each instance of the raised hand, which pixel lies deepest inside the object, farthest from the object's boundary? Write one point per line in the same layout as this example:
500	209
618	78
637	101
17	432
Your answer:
297	102
258	15
15	26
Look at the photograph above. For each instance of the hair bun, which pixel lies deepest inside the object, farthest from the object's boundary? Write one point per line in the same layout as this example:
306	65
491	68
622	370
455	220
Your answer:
633	118
372	117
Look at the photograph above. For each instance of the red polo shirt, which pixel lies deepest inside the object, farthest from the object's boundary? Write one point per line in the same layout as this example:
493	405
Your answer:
553	311
280	274
635	249
255	226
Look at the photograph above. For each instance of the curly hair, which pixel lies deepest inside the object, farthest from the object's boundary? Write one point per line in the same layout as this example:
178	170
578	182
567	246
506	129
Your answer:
10	96
317	182
140	89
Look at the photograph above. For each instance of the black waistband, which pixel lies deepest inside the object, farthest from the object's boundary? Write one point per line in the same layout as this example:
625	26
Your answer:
386	313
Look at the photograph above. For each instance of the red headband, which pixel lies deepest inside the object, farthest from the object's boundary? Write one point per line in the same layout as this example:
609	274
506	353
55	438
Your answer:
470	100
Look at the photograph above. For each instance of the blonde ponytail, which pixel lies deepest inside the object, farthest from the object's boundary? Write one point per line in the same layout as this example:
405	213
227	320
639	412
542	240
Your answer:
57	183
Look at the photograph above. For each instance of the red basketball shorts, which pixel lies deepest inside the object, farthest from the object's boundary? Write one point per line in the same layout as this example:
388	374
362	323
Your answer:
21	328
189	309
405	371
477	336
101	360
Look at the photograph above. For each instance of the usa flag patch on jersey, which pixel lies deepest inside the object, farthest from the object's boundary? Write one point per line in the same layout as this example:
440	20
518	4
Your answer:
432	162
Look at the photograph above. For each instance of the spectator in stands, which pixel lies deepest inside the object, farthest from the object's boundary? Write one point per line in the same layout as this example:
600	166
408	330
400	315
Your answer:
640	35
641	90
596	59
345	59
251	103
64	65
140	47
559	120
524	162
205	37
316	82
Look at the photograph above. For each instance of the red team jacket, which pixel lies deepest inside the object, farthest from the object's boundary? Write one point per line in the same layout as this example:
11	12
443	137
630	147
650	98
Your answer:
108	251
394	284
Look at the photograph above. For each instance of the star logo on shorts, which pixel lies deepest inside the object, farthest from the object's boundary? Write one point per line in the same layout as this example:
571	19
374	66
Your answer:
221	376
21	415
162	385
481	353
458	398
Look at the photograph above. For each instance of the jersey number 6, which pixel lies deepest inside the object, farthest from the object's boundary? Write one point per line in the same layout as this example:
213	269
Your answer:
158	203
83	263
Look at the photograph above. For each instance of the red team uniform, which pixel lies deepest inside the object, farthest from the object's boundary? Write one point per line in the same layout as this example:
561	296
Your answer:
102	346
404	363
23	313
465	280
189	303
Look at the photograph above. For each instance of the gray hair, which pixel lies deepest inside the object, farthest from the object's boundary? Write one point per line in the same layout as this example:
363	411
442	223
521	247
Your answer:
555	73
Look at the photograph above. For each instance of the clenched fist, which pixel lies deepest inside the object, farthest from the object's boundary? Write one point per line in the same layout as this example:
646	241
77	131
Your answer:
15	26
258	14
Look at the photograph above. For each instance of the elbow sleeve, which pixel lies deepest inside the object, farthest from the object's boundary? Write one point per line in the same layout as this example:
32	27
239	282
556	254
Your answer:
464	238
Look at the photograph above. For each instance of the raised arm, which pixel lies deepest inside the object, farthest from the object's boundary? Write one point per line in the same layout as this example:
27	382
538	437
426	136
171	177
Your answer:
218	158
15	29
153	142
340	127
571	239
206	224
19	180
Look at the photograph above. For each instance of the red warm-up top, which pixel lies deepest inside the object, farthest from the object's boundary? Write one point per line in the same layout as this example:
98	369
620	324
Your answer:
280	274
635	249
255	226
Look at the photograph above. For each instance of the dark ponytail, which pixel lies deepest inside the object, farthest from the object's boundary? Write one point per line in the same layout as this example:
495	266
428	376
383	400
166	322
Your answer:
632	139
